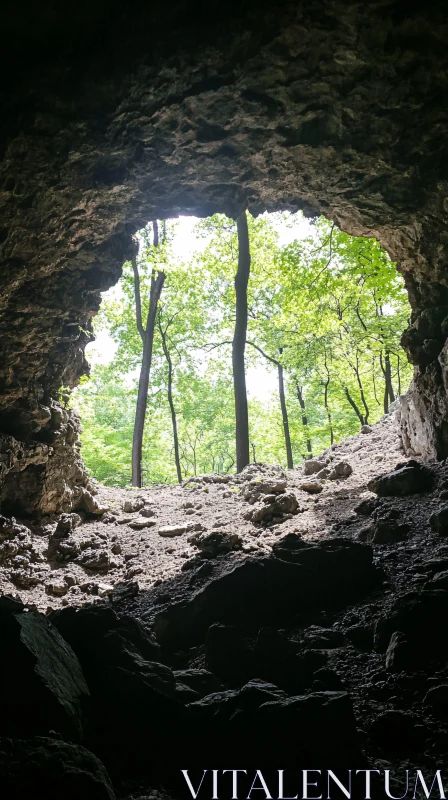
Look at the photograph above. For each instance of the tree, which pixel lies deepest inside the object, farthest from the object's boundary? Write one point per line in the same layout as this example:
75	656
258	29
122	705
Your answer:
239	345
281	394
163	330
147	335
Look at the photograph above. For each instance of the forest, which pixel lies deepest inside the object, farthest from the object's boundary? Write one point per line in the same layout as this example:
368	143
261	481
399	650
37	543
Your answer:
322	315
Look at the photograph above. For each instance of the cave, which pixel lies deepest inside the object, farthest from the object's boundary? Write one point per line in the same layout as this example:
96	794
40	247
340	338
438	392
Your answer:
116	114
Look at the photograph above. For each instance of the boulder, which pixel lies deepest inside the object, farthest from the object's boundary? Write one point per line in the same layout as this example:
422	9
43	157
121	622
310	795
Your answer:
255	719
228	655
436	700
86	629
420	617
313	465
361	637
384	531
342	469
439	580
323	638
200	681
169	531
439	521
399	653
42	675
51	769
397	732
312	487
95	559
274	508
262	591
408	478
133	504
216	543
140	523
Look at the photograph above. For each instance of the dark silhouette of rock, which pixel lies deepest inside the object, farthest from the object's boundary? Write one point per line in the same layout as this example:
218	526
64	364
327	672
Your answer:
201	681
41	674
51	768
420	617
436	700
439	521
262	590
408	478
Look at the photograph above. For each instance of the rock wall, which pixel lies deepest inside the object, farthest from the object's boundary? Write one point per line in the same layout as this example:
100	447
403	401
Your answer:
114	116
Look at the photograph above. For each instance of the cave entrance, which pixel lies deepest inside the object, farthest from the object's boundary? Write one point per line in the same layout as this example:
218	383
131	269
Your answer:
323	356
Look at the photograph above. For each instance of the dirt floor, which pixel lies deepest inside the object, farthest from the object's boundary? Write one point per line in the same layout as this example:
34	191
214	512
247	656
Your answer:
179	592
78	558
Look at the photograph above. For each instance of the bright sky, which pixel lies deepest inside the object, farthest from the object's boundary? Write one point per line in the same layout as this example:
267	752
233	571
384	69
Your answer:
261	382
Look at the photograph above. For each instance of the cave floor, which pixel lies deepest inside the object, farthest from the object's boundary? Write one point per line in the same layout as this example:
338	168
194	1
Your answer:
190	565
113	548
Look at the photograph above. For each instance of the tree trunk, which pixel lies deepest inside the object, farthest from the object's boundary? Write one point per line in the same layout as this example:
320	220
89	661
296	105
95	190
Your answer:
167	355
389	395
388	377
361	390
143	383
281	391
239	345
354	406
327	408
253	453
301	400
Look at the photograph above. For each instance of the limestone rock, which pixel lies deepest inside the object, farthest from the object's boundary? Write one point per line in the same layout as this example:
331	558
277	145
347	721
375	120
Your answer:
310	486
313	465
178	530
97	560
140	524
216	543
88	503
340	470
134	504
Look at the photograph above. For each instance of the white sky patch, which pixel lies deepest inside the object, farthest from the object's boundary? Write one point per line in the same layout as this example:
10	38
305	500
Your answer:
261	382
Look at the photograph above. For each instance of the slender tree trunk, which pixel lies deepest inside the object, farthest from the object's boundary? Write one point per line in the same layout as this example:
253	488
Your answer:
398	375
361	391
253	452
354	406
167	355
239	345
327	408
389	395
143	383
374	381
281	391
388	377
301	400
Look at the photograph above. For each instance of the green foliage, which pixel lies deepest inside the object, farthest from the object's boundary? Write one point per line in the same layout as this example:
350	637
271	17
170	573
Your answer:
329	307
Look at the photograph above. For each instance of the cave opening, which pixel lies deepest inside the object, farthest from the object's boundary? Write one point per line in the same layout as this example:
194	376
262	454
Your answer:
324	308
